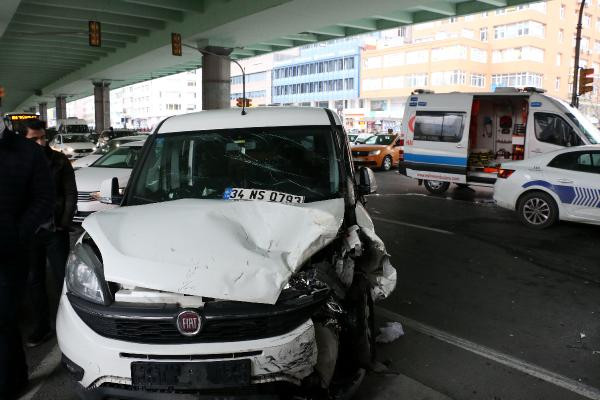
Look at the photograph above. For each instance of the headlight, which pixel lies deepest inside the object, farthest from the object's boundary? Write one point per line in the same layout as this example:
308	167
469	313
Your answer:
82	276
68	149
95	196
374	152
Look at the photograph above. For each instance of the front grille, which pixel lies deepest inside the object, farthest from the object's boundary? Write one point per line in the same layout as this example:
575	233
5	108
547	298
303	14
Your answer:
360	153
222	321
85	196
83	151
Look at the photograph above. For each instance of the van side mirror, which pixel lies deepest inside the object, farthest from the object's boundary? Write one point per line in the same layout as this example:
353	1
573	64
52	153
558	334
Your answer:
367	183
109	191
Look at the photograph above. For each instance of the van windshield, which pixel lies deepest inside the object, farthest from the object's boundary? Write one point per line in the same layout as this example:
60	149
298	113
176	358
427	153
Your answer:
585	126
77	128
380	139
299	161
77	139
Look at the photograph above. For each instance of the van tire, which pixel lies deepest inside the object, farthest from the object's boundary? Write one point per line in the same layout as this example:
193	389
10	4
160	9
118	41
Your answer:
537	210
386	164
436	187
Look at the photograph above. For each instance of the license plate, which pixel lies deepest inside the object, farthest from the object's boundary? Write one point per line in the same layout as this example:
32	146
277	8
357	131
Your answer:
357	159
261	195
207	375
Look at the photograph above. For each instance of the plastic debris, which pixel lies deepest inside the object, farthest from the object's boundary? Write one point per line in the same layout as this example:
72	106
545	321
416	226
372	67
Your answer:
582	335
390	332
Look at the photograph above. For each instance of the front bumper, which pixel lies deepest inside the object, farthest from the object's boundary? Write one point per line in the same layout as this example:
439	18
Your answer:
106	363
368	161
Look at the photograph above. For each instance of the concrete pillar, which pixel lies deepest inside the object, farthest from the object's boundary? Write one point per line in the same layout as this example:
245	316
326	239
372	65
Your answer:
43	111
216	75
61	108
102	106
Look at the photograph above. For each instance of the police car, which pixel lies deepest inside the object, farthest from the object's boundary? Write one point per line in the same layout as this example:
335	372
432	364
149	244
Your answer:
564	185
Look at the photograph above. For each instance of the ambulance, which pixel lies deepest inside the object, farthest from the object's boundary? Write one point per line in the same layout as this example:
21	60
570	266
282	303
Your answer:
463	138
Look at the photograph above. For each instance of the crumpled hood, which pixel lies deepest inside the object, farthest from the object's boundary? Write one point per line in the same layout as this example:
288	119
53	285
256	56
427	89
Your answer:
230	250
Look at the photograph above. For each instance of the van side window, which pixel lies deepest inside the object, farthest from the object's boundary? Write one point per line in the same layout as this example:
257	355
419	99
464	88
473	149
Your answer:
550	128
439	126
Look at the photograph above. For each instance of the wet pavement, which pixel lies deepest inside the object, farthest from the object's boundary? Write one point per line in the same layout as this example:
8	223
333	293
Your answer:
493	310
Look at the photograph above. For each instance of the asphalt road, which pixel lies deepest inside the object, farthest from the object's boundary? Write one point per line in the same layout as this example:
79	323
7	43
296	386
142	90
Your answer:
490	309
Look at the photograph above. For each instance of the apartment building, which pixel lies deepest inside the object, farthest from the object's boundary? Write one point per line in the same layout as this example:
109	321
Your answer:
322	75
526	45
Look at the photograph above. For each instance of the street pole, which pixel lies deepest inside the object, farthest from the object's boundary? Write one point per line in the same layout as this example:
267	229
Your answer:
574	97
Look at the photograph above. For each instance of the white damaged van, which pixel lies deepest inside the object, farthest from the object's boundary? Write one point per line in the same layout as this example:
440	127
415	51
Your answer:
241	261
463	138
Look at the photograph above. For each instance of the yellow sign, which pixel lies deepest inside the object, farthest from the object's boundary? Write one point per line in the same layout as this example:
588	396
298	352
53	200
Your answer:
20	117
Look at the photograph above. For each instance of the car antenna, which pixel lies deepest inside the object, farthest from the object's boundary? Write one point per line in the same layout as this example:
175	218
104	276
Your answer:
202	51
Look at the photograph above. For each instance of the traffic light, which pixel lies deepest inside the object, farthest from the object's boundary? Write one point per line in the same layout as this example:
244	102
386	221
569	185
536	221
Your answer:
241	102
586	78
176	44
95	35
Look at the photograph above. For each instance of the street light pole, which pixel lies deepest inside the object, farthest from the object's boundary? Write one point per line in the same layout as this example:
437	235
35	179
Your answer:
574	97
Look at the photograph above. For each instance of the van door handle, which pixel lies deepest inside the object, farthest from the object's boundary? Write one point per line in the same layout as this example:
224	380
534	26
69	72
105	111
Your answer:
459	146
563	180
536	151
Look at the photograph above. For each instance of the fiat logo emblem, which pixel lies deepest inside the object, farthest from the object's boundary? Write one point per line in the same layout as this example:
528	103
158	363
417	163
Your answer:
189	323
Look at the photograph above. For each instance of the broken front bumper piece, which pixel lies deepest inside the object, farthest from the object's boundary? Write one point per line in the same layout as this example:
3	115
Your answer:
278	340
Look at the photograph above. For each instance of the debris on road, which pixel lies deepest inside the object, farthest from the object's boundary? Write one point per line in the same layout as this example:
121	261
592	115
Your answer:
390	332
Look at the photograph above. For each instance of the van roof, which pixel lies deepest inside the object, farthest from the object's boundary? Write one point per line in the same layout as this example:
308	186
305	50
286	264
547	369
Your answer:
256	117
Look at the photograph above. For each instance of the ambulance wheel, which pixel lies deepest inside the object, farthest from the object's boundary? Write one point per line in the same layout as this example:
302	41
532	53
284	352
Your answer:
537	210
386	164
436	187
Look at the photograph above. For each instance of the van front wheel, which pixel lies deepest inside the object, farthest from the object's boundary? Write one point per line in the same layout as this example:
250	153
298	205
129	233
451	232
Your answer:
436	187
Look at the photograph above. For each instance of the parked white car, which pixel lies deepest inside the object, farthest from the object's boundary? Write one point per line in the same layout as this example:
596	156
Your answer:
116	163
102	150
561	185
73	145
241	257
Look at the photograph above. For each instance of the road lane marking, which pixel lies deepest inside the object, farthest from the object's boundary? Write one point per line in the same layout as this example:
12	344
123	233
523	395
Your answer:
427	228
43	370
572	385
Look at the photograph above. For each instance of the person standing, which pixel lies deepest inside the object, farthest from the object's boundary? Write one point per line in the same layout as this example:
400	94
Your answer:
26	202
51	242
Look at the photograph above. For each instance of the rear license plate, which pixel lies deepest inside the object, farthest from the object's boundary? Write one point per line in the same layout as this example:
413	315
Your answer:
206	375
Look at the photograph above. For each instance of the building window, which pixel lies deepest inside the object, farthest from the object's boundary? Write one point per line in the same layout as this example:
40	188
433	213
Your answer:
361	103
597	47
393	60
562	11
586	21
448	78
478	55
517	79
449	53
373	62
519	29
173	107
483	34
417	57
558	57
371	84
484	14
518	54
378	105
478	80
452	20
557	84
191	83
561	35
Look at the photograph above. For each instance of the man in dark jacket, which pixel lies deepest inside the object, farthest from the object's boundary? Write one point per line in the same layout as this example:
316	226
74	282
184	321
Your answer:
51	242
26	201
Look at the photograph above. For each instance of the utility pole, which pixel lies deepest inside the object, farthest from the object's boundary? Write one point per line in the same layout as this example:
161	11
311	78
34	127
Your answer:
574	97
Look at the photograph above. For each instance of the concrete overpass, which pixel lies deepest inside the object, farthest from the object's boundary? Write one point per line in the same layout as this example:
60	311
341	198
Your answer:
45	56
